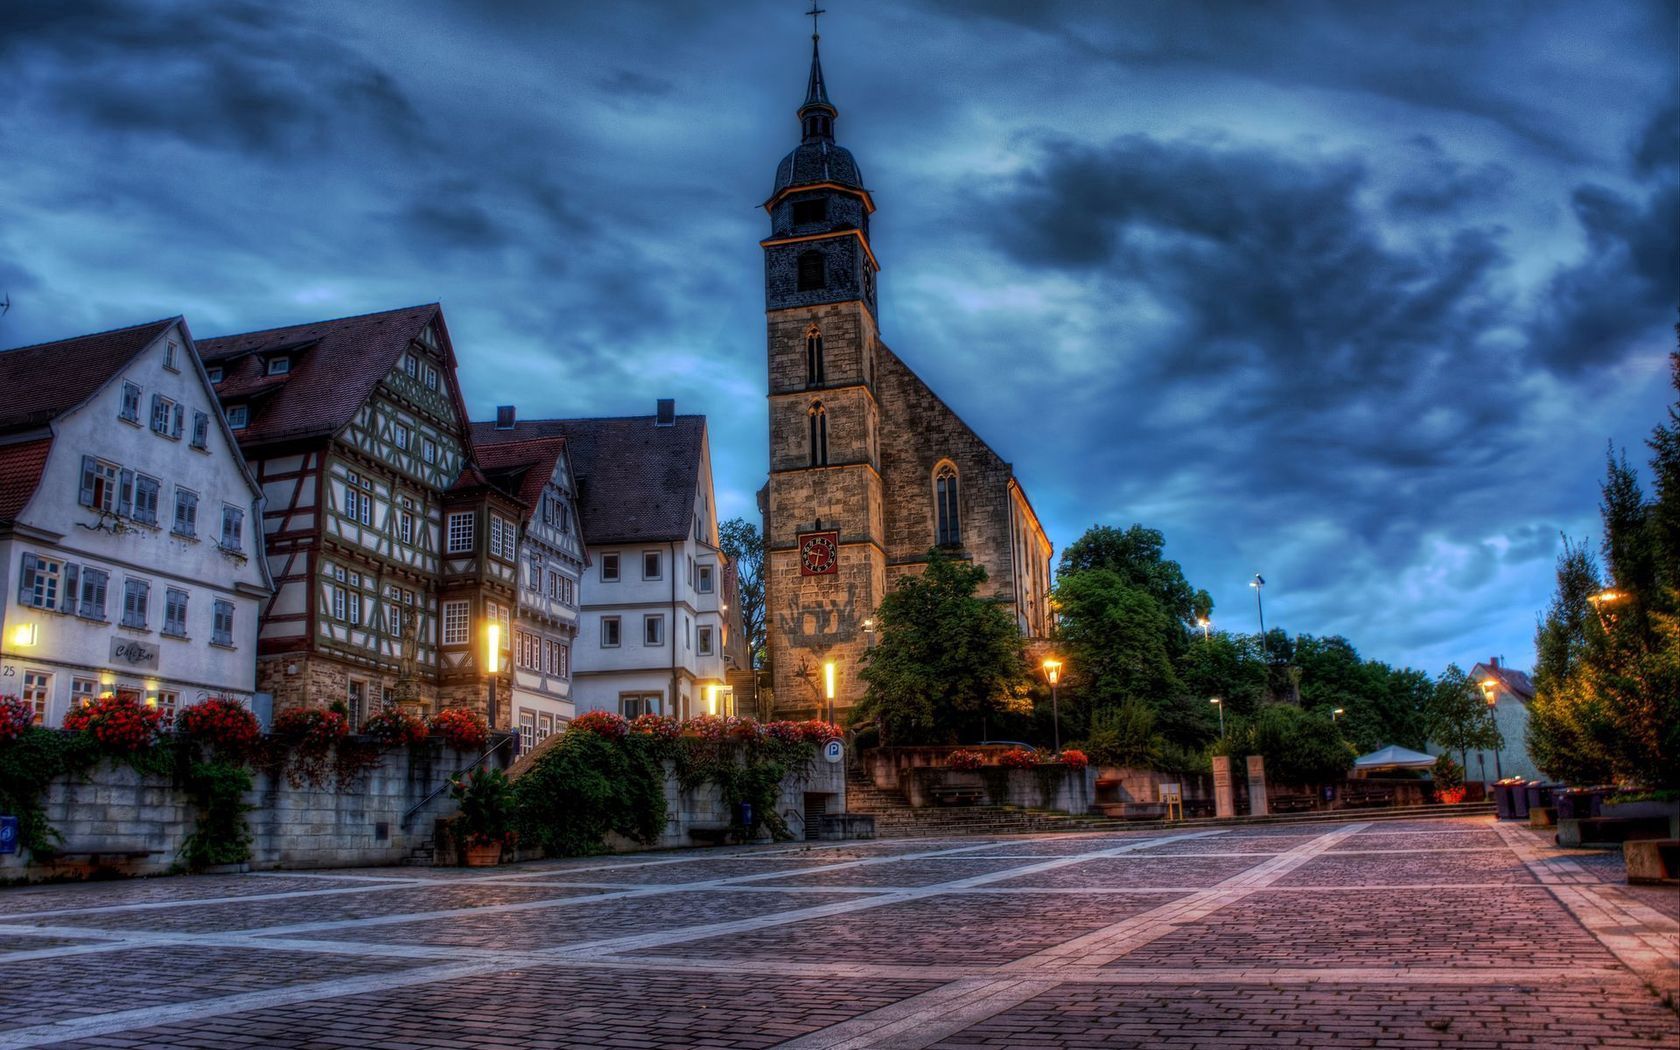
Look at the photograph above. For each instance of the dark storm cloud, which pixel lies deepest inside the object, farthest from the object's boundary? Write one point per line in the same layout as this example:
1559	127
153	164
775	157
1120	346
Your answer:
240	76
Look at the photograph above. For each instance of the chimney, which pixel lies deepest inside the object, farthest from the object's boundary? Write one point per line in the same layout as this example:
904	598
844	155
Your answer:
665	412
504	417
1493	662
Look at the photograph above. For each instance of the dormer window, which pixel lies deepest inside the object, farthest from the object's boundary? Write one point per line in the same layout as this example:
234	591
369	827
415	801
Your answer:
279	366
809	213
238	416
215	373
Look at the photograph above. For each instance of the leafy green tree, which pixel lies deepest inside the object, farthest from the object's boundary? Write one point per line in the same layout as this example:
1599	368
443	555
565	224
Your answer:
1300	747
1135	555
1124	736
946	662
1567	733
741	541
1227	666
1458	717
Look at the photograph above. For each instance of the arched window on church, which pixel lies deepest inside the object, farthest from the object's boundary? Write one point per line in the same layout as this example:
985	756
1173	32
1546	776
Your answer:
945	506
813	357
819	435
813	272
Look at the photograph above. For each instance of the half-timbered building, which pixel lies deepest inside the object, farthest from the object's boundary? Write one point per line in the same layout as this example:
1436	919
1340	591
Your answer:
356	430
128	555
552	560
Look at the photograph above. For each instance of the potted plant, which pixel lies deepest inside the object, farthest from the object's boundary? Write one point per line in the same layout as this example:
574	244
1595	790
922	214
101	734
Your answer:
486	800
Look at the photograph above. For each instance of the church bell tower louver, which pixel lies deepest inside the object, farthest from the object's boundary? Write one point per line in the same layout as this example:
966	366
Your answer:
826	562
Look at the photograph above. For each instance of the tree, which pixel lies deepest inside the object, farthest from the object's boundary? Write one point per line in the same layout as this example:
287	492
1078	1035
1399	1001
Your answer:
1566	731
946	660
1458	717
741	541
1300	747
1135	555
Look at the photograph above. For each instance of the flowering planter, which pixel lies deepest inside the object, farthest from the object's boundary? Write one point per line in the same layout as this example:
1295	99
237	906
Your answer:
484	856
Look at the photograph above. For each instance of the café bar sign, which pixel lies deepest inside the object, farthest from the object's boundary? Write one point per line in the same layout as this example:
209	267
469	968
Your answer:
127	652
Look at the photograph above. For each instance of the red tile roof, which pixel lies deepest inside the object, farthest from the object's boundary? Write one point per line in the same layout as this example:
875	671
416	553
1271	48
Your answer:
335	366
20	471
1515	682
44	381
635	480
520	467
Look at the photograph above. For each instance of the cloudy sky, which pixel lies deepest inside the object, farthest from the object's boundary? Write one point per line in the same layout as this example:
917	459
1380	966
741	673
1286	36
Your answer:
1351	294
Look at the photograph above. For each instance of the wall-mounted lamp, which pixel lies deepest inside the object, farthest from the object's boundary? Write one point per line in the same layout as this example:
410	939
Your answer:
24	634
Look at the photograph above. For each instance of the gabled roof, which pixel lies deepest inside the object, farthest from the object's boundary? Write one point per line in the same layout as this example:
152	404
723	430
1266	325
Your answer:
1517	683
521	468
20	472
635	480
336	365
44	381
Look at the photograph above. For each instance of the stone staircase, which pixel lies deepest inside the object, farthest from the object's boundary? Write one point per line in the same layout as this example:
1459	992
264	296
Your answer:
423	855
894	817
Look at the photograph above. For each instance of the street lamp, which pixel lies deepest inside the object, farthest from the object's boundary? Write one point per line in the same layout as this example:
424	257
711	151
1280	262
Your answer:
1205	624
1259	583
711	700
492	664
828	687
1336	715
1490	690
1053	672
1600	600
1217	702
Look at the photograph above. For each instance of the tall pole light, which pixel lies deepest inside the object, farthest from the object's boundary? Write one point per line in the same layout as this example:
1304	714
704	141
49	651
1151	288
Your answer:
1490	690
1599	601
492	664
1217	702
828	688
1259	583
1336	715
1053	672
1206	625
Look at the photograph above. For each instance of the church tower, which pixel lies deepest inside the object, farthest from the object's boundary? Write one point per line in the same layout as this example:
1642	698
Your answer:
826	562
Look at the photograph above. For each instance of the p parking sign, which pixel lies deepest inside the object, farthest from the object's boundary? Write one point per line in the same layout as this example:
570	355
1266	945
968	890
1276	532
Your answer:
834	751
8	834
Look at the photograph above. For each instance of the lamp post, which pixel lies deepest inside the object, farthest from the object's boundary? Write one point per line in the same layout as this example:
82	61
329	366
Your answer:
828	689
1336	715
1600	600
1217	702
1490	690
1206	625
492	665
1053	672
1259	583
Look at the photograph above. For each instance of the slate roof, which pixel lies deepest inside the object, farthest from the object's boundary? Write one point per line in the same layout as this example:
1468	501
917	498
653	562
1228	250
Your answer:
521	467
814	162
335	366
635	481
44	381
1515	682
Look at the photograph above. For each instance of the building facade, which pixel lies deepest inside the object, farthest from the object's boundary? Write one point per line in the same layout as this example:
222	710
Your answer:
551	562
869	468
130	556
655	632
382	542
1510	691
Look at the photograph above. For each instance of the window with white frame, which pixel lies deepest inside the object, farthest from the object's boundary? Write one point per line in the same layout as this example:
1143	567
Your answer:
527	729
214	372
545	727
170	351
634	705
609	568
461	532
355	698
137	595
101	484
504	538
167	702
83	691
93	587
39	582
233	524
703	579
201	430
340	602
130	411
534	573
411	364
651	565
37	692
279	366
611	632
401	434
428	450
653	629
175	612
186	513
163	411
705	640
238	416
221	624
431	378
456	627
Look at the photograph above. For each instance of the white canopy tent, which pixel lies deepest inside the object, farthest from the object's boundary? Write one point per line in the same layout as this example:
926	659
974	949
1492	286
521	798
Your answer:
1393	757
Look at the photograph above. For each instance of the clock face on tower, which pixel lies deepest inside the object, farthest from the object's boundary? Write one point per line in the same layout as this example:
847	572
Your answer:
819	553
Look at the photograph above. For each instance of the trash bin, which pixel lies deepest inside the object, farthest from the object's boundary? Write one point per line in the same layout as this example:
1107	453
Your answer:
1539	794
1502	800
1519	799
744	814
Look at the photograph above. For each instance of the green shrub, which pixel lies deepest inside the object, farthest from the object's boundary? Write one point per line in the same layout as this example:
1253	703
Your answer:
589	785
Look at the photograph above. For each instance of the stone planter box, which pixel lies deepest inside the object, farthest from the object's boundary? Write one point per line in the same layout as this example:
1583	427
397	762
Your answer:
1648	810
1048	786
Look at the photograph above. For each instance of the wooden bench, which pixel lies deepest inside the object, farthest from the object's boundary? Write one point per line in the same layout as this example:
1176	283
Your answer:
1293	803
1371	797
958	796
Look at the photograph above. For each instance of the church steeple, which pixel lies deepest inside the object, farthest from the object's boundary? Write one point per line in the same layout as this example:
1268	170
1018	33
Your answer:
816	115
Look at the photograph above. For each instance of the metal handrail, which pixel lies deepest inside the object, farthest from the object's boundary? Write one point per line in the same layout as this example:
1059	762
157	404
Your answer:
479	761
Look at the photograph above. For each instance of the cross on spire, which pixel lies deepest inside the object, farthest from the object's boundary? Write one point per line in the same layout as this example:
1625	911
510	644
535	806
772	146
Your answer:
815	12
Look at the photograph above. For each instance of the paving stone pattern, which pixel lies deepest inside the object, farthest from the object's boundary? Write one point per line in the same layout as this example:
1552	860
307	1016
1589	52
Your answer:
1420	934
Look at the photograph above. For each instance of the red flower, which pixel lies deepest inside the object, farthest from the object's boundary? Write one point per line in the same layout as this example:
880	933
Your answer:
601	723
226	724
965	760
394	727
118	721
1073	758
1018	758
16	716
461	728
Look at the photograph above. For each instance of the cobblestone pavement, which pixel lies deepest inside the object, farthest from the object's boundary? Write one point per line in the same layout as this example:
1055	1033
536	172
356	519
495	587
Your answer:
1454	933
